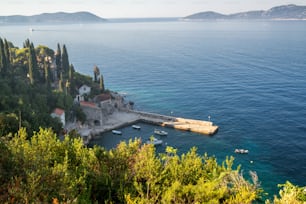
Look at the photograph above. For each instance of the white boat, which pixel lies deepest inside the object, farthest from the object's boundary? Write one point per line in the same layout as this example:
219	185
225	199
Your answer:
116	132
241	151
154	141
137	127
160	132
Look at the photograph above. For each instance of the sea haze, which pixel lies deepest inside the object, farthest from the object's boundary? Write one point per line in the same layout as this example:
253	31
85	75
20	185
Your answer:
250	77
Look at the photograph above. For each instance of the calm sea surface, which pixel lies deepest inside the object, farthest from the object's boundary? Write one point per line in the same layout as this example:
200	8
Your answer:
250	77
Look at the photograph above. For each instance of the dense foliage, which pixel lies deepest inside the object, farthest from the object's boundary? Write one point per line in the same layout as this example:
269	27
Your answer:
35	81
44	169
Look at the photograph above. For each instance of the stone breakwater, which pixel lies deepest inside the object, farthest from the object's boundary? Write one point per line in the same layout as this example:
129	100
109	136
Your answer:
197	126
125	118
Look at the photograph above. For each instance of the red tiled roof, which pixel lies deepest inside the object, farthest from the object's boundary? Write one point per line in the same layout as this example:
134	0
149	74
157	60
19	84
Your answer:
89	104
102	97
58	111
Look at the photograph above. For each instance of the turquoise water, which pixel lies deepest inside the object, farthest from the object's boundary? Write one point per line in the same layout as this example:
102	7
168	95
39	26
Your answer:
250	77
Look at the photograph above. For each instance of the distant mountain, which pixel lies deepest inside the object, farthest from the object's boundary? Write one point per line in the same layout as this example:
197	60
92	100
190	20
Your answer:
59	17
206	15
280	12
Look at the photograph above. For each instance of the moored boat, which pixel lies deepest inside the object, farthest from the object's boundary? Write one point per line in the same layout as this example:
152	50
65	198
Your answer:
160	132
137	127
241	151
116	132
154	141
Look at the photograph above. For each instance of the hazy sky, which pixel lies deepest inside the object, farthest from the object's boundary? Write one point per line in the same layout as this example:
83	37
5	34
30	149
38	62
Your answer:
138	8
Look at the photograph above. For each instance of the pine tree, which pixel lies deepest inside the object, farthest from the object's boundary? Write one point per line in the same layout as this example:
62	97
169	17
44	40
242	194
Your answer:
65	60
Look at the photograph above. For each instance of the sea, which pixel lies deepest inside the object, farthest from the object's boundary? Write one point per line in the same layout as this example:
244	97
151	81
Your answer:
247	77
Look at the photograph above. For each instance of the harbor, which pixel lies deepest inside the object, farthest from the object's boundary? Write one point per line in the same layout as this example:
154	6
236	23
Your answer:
120	119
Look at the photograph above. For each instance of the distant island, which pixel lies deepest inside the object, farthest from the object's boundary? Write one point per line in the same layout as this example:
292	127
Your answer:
58	17
285	12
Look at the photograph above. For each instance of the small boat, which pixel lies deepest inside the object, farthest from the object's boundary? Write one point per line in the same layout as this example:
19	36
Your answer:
154	141
241	151
160	132
116	132
137	127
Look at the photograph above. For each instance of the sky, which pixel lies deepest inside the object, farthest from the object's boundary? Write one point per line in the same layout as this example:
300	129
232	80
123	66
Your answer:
138	8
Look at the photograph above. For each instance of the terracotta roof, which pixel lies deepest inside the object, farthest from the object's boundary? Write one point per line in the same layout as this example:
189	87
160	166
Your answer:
88	104
102	97
58	111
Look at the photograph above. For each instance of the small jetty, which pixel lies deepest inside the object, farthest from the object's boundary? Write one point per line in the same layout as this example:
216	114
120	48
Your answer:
126	118
196	126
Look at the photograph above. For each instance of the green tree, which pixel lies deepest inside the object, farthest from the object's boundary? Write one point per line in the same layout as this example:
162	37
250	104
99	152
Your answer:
33	68
290	193
96	71
7	54
3	60
47	73
58	56
67	87
65	60
8	124
71	72
102	88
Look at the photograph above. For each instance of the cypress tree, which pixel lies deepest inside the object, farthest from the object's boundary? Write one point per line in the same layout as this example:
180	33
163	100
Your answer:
26	43
60	85
3	65
96	73
67	86
7	54
65	60
71	71
33	68
102	88
47	73
58	56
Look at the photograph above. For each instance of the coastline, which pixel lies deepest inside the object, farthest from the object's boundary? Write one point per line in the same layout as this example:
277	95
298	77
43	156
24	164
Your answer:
113	112
123	118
